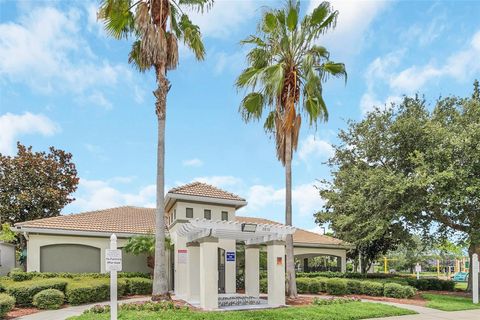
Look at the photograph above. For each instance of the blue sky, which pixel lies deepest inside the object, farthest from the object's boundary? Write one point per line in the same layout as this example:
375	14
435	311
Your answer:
64	83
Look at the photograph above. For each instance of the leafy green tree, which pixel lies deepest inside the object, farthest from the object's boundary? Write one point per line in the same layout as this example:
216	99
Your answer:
417	169
145	245
286	69
35	185
156	27
7	235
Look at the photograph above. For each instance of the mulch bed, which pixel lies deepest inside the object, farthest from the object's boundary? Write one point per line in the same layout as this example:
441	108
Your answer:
20	312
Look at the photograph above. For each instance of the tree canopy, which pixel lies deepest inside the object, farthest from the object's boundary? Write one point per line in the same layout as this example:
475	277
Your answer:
35	185
408	167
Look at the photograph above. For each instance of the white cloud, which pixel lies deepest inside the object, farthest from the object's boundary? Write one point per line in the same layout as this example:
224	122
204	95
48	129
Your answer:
220	181
192	162
234	62
354	20
460	66
306	200
12	126
45	50
225	17
99	194
312	147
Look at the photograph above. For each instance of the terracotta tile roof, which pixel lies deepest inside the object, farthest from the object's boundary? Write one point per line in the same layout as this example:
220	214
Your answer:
300	235
137	220
119	220
204	190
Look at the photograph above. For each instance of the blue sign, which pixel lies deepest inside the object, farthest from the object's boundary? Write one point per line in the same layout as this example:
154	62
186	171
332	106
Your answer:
230	256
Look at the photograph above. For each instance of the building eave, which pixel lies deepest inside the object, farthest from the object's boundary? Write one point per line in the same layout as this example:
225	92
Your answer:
171	198
66	232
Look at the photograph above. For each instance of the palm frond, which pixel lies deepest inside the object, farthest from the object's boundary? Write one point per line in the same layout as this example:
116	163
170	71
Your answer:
192	37
136	59
197	5
334	69
172	51
251	106
117	17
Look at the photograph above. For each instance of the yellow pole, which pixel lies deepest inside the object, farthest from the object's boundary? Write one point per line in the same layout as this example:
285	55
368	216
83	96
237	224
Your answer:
385	262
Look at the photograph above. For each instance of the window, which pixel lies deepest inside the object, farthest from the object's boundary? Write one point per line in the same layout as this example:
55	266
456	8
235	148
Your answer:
207	214
224	216
189	213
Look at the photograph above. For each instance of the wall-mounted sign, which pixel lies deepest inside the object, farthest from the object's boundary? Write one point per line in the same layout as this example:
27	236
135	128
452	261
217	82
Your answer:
113	260
279	261
230	256
182	255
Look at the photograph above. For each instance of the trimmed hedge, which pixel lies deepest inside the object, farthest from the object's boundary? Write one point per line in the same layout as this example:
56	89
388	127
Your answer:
395	290
24	291
348	275
372	288
336	287
425	284
49	299
139	286
6	304
94	290
24	276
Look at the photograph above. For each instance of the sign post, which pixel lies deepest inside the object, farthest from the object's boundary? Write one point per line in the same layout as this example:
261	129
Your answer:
418	269
113	263
475	270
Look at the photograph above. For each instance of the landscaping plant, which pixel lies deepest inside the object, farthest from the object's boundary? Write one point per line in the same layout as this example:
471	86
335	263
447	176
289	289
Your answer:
49	299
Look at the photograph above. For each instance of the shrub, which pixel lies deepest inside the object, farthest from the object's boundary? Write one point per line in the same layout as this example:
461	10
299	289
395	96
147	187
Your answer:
431	284
317	285
336	286
24	291
348	275
93	290
21	276
6	304
371	288
146	306
354	286
302	285
328	301
396	290
49	299
139	285
263	286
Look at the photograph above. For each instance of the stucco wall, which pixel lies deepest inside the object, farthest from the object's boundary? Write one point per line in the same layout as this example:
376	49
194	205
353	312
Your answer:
36	241
7	258
198	210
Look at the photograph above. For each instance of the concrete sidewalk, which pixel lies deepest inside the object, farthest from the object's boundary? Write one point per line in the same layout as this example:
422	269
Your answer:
429	313
64	313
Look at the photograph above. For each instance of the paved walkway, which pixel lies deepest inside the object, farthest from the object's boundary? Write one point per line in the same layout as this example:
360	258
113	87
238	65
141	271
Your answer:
423	312
429	313
64	313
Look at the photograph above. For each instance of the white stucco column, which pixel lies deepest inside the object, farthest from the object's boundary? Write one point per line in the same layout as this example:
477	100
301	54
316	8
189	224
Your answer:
193	282
276	273
252	270
208	273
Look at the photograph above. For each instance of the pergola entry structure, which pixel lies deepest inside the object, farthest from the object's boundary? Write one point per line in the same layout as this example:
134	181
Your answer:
202	239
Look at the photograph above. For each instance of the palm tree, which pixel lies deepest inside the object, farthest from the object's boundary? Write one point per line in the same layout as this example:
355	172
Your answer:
286	69
156	27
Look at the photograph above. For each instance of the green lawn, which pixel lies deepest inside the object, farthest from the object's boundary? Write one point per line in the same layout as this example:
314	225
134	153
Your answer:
348	311
449	302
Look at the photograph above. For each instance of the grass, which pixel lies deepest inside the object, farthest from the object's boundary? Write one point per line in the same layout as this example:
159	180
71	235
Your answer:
348	311
449	302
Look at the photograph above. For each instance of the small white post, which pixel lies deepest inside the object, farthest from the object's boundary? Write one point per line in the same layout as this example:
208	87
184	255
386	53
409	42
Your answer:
418	269
113	282
475	270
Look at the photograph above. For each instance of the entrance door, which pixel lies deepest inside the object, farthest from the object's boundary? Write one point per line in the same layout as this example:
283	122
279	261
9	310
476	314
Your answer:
221	270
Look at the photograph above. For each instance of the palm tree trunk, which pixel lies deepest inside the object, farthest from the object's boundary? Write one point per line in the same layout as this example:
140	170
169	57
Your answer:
291	282
160	284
